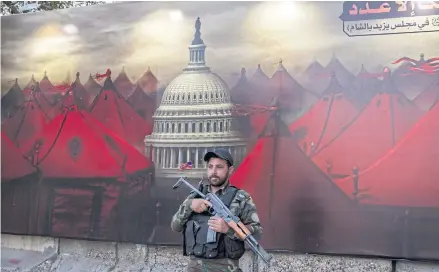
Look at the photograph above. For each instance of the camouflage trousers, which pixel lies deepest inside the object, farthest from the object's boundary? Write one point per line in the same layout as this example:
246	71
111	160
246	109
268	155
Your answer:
212	265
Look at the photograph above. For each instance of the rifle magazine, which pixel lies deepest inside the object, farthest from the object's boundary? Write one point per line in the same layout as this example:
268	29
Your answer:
211	236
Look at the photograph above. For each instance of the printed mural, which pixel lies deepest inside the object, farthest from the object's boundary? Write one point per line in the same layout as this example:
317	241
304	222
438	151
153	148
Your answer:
335	137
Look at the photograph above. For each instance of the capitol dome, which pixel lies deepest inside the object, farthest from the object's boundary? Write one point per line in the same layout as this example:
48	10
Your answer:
205	88
194	116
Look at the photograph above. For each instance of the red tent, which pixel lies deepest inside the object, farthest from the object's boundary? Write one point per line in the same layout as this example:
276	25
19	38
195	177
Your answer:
123	84
12	100
97	183
14	164
259	78
290	93
314	69
51	92
148	83
27	121
18	178
429	97
408	175
46	85
242	92
75	145
251	119
312	78
325	119
32	82
143	104
75	95
92	88
241	97
412	83
258	120
317	78
335	66
42	100
380	125
363	88
80	93
261	83
111	109
299	207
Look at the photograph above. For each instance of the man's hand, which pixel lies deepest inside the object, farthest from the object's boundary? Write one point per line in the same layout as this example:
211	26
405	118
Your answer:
200	205
218	224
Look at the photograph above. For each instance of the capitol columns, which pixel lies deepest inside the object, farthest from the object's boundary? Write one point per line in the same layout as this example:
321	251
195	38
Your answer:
188	154
164	160
173	157
151	151
157	156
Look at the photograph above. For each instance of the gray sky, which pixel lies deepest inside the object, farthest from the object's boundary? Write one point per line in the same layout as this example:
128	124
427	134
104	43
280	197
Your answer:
157	34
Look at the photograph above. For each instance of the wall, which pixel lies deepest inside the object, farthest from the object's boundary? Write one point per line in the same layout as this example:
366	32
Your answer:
78	255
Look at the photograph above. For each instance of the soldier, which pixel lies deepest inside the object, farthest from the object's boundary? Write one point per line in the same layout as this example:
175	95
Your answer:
193	220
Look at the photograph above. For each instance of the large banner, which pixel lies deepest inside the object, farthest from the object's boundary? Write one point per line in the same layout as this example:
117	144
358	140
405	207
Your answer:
334	136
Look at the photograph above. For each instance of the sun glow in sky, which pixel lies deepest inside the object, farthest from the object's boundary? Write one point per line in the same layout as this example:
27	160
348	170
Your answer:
51	50
282	27
176	15
158	34
162	37
274	15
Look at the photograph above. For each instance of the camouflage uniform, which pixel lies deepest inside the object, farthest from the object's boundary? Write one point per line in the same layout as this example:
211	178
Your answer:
241	206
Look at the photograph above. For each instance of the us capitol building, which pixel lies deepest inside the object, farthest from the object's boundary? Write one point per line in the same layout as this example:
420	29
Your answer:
194	116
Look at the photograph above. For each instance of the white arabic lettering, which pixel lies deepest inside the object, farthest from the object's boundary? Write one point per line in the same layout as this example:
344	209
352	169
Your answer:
393	25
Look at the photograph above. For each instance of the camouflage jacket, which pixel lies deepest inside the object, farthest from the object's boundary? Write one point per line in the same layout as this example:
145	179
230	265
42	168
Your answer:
242	206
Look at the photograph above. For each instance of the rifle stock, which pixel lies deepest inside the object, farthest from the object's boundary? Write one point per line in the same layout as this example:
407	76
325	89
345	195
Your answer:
219	209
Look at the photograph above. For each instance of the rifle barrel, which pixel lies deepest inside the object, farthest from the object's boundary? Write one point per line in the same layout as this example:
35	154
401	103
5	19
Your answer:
225	212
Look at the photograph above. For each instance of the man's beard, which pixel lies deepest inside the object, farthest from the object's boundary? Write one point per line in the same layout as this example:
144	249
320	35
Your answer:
216	181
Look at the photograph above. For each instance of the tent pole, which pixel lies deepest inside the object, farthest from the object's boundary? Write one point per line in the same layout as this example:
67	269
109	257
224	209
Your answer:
273	165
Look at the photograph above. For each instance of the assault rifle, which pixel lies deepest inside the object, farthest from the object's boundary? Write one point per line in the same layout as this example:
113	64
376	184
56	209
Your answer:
219	209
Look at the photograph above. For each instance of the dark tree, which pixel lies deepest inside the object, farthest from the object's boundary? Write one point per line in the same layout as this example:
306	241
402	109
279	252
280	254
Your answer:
13	7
